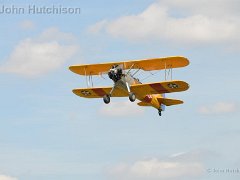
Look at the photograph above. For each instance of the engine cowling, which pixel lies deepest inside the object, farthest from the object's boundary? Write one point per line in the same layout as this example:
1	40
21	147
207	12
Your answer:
115	73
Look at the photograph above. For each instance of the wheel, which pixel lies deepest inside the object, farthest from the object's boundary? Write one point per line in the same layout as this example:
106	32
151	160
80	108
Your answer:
106	99
132	97
160	112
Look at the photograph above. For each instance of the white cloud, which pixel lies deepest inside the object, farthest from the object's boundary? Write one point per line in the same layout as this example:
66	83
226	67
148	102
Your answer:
27	25
174	167
4	177
121	108
96	28
218	108
37	56
216	8
171	21
53	34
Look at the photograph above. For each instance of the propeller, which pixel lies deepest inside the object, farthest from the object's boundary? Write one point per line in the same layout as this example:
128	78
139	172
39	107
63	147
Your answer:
115	73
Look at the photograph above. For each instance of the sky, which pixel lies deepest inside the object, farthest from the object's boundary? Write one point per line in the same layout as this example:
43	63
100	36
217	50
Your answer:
47	132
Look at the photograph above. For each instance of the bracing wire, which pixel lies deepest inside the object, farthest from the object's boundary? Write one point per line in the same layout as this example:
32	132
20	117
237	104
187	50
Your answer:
151	74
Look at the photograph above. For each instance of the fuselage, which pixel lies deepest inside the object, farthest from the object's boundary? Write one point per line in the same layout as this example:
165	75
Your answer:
128	79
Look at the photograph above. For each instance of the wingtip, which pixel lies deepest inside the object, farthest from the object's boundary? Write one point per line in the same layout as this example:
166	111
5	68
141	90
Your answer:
74	91
70	68
186	59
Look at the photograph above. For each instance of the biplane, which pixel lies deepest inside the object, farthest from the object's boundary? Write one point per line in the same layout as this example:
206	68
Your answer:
127	85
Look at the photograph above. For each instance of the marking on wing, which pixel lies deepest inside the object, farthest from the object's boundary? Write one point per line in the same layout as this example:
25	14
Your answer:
99	92
158	87
172	85
85	93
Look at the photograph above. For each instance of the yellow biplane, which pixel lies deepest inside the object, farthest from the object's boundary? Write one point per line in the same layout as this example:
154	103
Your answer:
126	85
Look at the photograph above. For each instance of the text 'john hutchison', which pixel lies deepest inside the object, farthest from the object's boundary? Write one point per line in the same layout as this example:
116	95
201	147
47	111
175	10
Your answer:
33	9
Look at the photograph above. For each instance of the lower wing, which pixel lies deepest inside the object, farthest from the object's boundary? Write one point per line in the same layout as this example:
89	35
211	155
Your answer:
138	89
159	87
99	92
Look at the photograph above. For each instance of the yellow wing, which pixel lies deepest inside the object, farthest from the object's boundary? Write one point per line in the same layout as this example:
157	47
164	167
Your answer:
144	64
142	90
99	92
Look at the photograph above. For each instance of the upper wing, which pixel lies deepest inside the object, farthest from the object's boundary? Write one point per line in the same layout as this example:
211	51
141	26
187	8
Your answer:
144	64
159	88
99	92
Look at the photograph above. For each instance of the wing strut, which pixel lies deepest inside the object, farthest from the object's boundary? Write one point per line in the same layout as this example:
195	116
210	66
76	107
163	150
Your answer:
130	68
136	72
168	72
89	79
86	76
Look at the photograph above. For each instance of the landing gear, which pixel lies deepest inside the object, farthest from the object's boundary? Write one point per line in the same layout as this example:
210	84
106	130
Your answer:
159	112
106	99
132	97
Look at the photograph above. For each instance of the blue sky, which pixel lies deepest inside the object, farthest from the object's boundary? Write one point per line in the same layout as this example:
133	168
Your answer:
47	132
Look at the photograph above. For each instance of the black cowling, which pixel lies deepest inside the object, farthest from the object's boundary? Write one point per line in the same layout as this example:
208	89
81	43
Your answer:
115	74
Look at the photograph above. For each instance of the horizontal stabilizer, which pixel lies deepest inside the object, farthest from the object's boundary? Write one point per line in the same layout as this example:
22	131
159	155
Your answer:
169	102
144	104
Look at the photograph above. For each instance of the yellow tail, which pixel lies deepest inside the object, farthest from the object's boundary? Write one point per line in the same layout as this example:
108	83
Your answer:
144	104
169	102
162	100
